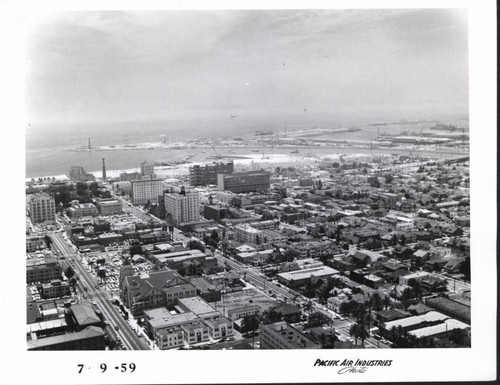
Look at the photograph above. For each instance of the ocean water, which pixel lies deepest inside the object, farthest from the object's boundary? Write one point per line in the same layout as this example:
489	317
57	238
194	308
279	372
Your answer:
48	147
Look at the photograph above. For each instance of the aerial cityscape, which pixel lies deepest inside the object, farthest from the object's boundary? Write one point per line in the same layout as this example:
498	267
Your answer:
283	220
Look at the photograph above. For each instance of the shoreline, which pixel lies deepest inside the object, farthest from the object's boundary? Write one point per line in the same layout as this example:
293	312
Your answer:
261	158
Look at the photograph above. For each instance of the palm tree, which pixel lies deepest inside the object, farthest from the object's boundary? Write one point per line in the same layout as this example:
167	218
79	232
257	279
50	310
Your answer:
354	332
101	274
387	302
362	333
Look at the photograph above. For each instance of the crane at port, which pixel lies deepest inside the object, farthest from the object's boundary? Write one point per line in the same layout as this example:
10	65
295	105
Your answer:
217	155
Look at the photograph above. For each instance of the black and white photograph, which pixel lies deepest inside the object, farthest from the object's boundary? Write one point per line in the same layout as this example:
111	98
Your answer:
204	188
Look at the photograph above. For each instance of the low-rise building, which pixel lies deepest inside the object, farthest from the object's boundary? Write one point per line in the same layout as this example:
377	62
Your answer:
55	288
240	312
34	243
248	234
82	210
109	207
302	276
91	338
42	270
153	289
206	290
280	335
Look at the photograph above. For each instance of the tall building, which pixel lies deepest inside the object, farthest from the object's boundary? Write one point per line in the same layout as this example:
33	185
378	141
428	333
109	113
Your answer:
183	207
42	207
244	182
148	170
146	190
78	174
205	175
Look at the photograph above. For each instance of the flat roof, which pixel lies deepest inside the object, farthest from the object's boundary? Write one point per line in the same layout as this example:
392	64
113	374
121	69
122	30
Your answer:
306	273
290	335
196	305
447	325
431	316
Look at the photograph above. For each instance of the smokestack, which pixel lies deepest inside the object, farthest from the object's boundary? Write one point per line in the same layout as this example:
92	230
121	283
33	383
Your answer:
103	168
90	147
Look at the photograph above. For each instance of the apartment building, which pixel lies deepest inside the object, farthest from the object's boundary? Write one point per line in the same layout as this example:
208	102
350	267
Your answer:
144	191
183	207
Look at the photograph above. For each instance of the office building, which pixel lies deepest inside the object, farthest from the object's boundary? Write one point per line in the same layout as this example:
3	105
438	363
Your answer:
82	210
207	174
56	288
244	182
280	335
144	191
215	213
129	176
109	207
183	207
42	270
148	170
34	243
42	207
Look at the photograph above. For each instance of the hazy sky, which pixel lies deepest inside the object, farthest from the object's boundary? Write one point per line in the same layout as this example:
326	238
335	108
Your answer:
119	66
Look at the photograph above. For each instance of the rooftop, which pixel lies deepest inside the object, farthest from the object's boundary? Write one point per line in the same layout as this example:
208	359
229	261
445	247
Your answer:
89	332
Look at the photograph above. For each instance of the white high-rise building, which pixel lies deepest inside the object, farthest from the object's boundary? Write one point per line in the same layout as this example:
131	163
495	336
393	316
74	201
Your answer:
42	207
146	190
183	207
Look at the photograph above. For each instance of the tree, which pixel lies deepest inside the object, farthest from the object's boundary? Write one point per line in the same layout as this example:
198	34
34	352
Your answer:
459	337
317	319
48	241
101	273
376	301
291	254
408	293
135	249
270	316
69	272
250	323
194	244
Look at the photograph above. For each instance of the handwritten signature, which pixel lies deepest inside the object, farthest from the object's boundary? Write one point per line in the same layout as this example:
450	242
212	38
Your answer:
353	369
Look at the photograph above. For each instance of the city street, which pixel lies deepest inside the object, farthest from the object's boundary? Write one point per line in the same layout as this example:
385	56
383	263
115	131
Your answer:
258	281
88	286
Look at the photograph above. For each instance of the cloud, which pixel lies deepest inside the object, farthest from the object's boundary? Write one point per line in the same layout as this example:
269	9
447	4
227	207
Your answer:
153	65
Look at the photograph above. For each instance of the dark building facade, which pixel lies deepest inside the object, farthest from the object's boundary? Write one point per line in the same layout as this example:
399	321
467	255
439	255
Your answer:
244	182
205	175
